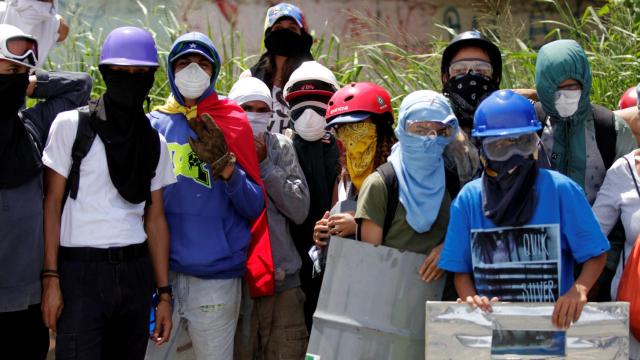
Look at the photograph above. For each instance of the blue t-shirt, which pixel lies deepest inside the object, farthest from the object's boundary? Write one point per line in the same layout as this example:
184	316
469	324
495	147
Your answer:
524	264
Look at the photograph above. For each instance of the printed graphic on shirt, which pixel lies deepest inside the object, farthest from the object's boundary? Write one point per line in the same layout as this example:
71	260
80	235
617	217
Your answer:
187	164
519	264
280	120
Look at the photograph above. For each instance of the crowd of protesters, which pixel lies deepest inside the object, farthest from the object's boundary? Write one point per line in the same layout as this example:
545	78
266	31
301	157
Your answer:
213	215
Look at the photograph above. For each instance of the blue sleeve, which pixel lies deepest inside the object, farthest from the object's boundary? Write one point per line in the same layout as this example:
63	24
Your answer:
246	196
456	254
579	224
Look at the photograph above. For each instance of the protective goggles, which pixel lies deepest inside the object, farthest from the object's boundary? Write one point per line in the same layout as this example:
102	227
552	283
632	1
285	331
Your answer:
504	147
462	67
21	49
430	129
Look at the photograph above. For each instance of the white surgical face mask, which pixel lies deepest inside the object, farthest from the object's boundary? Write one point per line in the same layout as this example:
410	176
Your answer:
567	102
310	125
258	121
192	81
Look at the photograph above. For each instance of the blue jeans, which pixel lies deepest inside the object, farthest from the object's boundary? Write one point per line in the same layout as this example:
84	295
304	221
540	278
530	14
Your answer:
106	309
208	310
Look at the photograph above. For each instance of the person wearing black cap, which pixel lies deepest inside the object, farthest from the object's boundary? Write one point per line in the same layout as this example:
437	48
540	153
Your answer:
471	70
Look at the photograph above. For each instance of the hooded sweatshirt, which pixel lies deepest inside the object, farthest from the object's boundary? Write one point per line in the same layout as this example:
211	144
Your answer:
209	221
570	141
284	181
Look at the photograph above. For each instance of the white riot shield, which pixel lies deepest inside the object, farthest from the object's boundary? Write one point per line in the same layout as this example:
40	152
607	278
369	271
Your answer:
371	304
524	331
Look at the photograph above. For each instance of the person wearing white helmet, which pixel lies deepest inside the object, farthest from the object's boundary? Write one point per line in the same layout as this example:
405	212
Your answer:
272	318
308	92
23	133
38	18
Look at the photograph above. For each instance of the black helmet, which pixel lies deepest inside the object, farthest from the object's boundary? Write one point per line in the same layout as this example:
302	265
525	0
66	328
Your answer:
473	38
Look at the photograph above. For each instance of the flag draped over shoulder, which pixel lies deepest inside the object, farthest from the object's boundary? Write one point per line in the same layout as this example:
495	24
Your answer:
233	122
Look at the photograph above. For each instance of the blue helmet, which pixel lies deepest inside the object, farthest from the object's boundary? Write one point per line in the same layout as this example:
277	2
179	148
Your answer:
505	113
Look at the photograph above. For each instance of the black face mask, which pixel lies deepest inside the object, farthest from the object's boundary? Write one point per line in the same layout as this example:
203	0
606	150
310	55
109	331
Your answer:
21	158
509	198
132	146
13	88
287	43
127	90
466	92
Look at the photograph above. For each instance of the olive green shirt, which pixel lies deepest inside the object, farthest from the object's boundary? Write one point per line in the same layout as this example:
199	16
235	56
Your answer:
372	205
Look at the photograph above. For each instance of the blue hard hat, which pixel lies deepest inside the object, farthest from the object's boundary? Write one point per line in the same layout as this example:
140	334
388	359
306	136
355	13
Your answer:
505	113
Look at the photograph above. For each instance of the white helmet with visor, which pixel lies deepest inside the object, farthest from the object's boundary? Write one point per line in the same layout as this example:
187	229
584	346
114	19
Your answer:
18	47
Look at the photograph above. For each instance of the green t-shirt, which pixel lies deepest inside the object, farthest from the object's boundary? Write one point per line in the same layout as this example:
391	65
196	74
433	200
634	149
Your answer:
372	205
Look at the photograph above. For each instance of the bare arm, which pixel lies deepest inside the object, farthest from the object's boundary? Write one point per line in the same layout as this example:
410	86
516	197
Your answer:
51	295
569	307
467	292
371	232
155	225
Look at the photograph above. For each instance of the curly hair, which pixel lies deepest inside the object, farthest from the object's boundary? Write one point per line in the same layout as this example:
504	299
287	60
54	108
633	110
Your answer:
385	138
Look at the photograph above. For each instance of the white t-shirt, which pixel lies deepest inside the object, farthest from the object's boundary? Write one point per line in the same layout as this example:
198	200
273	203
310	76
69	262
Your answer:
99	217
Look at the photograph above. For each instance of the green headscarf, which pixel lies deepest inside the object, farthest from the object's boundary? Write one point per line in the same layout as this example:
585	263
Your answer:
558	61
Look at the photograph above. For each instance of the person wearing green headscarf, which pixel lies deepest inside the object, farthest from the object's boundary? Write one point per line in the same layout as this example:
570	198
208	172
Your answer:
563	82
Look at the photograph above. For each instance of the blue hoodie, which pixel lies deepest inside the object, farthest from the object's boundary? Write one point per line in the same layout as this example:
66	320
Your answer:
209	221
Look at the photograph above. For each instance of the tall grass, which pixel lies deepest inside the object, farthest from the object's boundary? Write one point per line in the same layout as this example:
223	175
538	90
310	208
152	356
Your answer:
610	36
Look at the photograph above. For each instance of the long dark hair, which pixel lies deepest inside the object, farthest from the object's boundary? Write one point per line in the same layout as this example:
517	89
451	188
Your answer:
265	69
385	138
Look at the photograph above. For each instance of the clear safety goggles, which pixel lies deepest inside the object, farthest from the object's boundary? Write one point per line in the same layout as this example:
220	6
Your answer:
462	67
427	128
20	48
503	147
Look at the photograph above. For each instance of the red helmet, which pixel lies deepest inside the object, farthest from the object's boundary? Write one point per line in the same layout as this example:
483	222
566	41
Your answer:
358	101
628	99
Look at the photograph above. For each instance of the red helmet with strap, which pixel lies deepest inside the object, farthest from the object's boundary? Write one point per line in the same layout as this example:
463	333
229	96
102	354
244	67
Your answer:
357	102
628	99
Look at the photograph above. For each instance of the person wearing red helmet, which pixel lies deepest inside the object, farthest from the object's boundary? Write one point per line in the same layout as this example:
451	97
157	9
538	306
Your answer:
629	98
362	115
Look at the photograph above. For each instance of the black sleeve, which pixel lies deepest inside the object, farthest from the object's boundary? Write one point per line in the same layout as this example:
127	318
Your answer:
61	91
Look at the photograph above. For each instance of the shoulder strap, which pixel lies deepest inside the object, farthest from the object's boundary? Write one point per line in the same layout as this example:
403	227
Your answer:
604	121
633	176
81	146
388	175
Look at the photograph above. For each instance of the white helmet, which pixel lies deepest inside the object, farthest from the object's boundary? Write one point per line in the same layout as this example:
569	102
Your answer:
18	47
310	78
250	89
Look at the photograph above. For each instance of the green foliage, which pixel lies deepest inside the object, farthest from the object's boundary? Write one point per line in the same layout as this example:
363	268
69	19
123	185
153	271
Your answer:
610	36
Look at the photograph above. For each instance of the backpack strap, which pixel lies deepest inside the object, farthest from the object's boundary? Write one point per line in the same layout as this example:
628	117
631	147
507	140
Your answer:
604	121
81	146
388	175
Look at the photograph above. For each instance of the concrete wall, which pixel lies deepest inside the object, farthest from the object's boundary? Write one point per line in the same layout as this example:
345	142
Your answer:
410	21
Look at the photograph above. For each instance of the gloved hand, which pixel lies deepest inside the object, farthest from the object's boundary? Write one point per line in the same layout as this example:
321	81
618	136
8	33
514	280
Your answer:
211	146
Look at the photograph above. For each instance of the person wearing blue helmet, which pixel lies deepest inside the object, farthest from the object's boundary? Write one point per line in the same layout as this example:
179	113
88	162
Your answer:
106	236
515	233
210	211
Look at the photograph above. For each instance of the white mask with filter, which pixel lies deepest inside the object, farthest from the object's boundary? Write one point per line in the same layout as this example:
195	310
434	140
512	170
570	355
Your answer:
310	125
567	102
192	81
